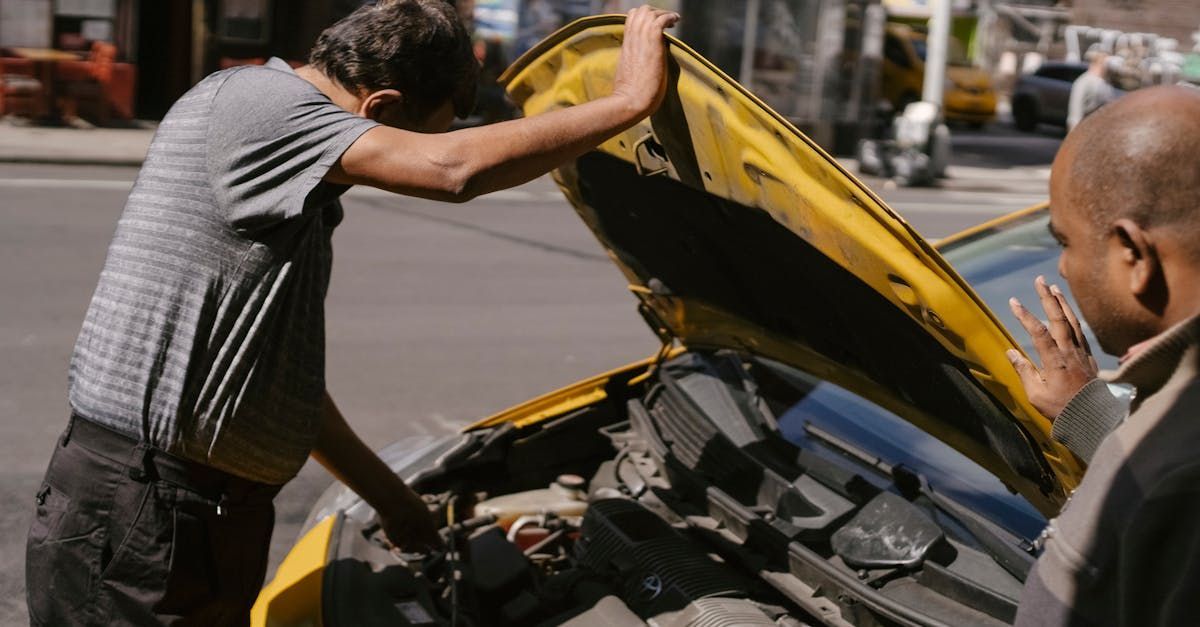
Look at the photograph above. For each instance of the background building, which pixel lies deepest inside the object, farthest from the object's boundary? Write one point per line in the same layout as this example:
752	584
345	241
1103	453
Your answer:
172	43
1176	19
815	61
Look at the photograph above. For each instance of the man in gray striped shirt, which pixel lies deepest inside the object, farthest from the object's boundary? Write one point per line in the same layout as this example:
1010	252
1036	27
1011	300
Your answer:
197	386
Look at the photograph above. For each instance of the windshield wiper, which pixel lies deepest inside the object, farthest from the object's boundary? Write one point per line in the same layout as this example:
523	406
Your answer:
1012	553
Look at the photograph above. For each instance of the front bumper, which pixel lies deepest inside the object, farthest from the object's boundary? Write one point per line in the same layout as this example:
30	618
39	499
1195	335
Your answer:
294	596
970	107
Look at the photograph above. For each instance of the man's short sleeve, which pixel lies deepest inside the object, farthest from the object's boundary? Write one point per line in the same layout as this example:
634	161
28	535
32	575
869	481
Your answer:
272	137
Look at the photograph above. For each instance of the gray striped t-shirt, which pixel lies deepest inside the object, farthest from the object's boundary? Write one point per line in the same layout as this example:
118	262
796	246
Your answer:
206	333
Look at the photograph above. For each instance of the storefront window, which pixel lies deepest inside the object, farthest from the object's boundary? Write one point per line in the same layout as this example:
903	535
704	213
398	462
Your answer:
86	8
78	23
25	23
244	20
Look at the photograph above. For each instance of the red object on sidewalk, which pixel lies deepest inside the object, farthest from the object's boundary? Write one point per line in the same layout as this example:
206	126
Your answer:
21	93
43	61
90	89
99	84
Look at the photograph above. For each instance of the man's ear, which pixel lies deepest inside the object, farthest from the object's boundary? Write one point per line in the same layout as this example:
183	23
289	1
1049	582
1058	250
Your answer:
1139	254
376	103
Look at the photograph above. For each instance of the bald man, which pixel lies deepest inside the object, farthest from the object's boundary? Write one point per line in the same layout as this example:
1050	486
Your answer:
1125	206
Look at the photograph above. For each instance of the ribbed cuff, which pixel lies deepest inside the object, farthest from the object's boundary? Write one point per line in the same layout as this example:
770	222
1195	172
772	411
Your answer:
1090	415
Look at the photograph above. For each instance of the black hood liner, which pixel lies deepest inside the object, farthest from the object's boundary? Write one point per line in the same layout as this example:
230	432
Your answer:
740	260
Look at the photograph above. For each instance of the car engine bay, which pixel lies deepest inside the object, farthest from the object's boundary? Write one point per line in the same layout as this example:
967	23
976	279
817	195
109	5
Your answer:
674	502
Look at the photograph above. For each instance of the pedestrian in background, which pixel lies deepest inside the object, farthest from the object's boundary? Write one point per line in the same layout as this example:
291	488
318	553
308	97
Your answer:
1091	90
1125	206
197	385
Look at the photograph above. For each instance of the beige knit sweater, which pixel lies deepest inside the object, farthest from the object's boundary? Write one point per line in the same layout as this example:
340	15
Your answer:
1125	550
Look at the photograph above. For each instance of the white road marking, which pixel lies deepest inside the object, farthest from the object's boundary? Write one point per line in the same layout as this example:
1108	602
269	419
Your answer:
517	195
943	201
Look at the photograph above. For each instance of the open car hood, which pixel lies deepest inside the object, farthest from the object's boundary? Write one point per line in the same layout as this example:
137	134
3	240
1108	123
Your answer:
737	231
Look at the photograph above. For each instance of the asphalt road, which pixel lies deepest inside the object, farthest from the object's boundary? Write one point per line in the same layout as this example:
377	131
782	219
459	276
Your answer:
437	315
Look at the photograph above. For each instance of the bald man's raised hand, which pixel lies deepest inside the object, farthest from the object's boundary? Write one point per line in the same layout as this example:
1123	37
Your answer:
1067	362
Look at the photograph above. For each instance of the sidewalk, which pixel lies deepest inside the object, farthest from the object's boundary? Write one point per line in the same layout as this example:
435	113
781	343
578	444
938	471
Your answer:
995	160
98	146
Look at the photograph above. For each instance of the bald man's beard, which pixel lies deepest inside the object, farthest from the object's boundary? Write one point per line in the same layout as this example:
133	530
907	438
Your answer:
1100	310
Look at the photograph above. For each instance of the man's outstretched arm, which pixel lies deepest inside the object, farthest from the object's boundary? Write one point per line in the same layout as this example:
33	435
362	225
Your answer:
403	515
460	165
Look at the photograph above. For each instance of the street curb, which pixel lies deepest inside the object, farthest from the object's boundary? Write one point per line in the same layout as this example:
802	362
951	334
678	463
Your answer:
49	160
126	147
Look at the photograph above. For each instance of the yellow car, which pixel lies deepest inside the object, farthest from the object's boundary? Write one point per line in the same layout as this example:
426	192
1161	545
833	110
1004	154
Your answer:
831	433
969	96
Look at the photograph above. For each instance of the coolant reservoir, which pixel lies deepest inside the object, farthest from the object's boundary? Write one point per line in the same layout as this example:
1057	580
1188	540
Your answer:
564	497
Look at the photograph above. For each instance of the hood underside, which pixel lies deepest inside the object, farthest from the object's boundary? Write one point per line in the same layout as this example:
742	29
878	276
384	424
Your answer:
736	231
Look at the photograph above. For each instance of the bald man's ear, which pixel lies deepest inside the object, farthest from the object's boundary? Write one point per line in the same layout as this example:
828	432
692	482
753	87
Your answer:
375	105
1139	255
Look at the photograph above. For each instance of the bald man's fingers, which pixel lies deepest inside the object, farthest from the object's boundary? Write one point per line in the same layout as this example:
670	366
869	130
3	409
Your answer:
1066	364
1043	342
1072	319
1031	377
1059	324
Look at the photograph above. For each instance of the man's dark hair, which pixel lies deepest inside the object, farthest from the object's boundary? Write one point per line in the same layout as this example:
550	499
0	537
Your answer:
418	47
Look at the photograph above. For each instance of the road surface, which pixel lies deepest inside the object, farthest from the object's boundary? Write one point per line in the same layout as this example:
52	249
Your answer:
437	314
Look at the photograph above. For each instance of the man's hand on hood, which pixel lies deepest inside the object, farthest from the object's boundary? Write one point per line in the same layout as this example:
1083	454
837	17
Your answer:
642	71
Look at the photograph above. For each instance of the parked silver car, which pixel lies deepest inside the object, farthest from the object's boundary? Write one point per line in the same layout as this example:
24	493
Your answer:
1042	97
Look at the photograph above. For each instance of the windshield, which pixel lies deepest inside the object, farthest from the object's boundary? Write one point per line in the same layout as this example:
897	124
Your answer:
1001	263
823	409
832	470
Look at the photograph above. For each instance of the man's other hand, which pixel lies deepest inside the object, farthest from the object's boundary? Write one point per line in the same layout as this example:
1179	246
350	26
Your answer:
409	525
1067	362
641	76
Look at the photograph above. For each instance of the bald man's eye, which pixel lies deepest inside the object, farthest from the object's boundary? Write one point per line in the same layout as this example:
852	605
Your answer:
1058	238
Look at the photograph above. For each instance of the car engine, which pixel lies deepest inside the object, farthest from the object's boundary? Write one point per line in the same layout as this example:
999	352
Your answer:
640	509
619	563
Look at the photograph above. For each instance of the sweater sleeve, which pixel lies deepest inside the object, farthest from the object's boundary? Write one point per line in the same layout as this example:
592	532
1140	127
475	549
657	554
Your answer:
1090	415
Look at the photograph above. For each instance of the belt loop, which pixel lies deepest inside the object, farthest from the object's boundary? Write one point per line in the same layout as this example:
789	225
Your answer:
66	435
141	467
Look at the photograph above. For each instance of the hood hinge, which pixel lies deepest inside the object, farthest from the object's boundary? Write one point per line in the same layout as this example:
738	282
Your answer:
661	331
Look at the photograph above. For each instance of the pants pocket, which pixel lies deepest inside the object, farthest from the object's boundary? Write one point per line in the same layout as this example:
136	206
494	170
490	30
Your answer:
217	561
58	569
131	515
135	556
181	563
190	583
51	505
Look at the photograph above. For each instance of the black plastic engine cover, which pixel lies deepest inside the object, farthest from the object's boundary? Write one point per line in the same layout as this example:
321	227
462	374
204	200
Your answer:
658	569
499	570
